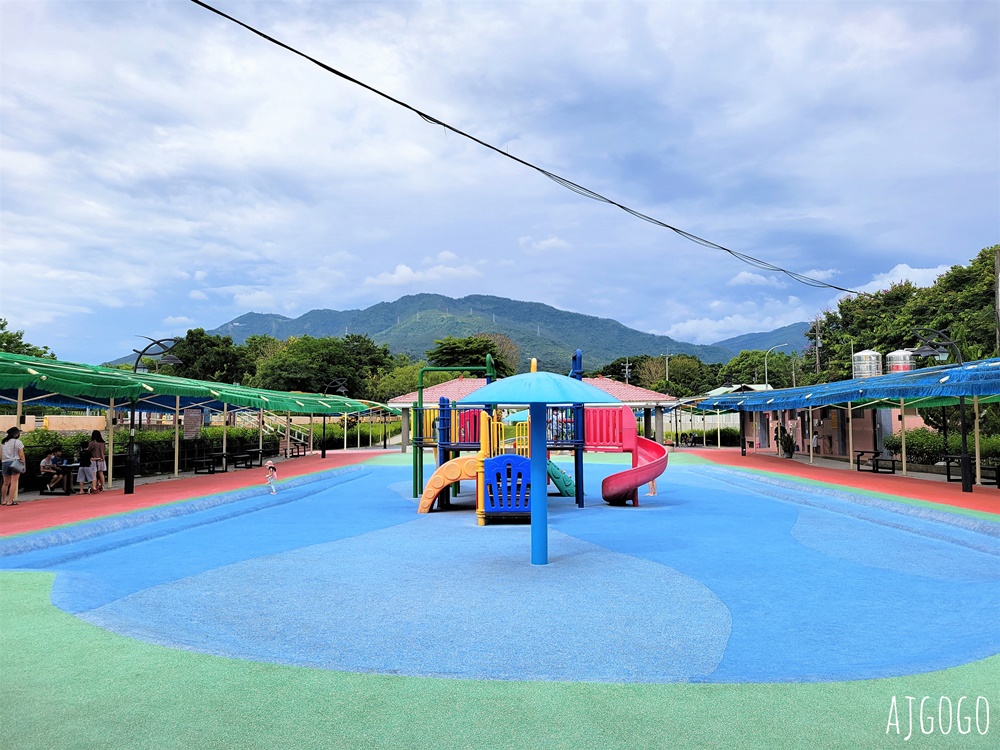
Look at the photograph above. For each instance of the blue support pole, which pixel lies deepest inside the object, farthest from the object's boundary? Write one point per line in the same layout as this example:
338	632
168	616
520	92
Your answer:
539	487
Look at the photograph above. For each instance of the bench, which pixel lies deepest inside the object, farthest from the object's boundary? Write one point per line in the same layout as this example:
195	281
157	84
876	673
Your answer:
43	485
878	463
988	474
241	460
297	449
257	453
206	465
859	456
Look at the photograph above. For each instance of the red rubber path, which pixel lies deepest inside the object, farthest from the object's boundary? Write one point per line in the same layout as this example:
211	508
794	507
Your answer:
58	510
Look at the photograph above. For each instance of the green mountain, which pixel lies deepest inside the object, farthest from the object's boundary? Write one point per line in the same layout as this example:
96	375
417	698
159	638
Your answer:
794	336
411	324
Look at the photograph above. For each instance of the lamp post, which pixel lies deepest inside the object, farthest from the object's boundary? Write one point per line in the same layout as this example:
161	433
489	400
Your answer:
341	386
936	344
164	346
776	346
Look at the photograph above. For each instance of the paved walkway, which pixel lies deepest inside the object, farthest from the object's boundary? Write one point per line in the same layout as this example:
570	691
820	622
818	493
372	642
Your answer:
46	511
917	486
37	511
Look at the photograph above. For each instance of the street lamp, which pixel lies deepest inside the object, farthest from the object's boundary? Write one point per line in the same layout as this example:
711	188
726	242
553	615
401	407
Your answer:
165	345
936	344
341	385
776	346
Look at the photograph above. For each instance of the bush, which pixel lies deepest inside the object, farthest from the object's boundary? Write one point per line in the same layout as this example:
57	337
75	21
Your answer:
922	446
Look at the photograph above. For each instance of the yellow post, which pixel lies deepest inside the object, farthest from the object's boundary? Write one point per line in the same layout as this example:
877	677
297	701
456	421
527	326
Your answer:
485	437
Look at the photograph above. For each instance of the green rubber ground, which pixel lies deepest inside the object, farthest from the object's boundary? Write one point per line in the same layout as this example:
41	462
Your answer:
67	684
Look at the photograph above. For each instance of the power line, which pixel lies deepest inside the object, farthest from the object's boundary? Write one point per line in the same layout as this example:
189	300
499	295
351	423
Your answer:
566	183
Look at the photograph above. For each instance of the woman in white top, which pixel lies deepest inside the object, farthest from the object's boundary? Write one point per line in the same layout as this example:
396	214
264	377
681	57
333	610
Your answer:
13	450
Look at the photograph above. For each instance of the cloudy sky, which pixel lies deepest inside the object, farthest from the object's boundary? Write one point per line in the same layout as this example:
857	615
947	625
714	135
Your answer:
163	168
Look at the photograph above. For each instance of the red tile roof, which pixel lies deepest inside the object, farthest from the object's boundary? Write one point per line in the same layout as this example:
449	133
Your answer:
461	387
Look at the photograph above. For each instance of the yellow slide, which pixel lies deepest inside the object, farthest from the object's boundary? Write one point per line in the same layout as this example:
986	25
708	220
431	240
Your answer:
463	467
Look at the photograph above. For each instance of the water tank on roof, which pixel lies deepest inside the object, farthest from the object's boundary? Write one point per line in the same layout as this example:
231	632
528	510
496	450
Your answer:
867	364
899	361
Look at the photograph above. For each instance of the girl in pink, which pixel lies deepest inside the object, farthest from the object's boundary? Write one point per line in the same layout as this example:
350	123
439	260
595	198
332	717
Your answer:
272	476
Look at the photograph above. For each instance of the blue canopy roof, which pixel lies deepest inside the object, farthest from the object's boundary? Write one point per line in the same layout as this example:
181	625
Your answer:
980	378
539	388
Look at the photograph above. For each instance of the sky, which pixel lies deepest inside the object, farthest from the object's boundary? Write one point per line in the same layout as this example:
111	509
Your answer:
163	169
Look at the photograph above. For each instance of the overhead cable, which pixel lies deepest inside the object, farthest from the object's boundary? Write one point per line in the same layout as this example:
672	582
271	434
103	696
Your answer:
564	182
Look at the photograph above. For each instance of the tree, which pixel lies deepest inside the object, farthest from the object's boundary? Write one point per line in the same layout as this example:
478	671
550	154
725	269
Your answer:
748	367
402	378
205	357
467	352
962	301
507	351
257	350
13	342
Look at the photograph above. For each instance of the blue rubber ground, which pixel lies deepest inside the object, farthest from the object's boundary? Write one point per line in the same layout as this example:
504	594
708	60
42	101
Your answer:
723	577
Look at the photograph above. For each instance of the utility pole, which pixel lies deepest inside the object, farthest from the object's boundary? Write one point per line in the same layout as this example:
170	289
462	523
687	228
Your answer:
996	307
818	344
627	370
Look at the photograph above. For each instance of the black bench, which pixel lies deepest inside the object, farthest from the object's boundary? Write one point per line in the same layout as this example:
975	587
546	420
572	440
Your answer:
257	453
43	485
859	456
988	474
241	460
297	449
206	465
885	464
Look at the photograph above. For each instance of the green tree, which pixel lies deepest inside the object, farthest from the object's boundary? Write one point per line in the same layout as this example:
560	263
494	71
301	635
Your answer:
255	351
205	357
402	378
508	352
467	352
13	342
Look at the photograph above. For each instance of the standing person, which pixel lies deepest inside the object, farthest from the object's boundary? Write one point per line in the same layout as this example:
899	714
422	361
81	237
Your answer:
85	474
272	476
12	464
652	488
98	453
815	442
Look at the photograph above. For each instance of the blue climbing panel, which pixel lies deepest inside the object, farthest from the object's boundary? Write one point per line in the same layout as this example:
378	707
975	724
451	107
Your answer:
507	485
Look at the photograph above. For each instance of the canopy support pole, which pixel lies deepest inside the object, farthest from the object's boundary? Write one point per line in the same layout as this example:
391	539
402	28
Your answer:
111	442
225	430
288	433
177	436
310	433
345	430
850	436
902	428
539	489
975	409
812	429
718	429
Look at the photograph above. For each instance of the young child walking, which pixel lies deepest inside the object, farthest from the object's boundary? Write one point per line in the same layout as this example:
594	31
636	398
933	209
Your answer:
272	476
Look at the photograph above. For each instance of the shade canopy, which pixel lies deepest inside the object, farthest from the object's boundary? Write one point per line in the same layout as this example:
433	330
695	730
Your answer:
936	386
538	388
52	382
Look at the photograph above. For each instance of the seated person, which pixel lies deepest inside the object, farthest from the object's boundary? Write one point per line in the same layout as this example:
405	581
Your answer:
51	468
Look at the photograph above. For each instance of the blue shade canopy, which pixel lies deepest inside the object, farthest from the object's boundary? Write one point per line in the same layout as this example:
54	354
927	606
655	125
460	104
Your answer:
539	388
981	378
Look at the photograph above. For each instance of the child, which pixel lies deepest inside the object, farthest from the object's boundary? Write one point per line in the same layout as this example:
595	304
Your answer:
272	476
85	474
52	471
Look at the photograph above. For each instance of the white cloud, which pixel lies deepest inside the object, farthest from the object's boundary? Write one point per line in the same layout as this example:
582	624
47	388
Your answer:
530	244
748	278
177	321
903	272
404	275
851	137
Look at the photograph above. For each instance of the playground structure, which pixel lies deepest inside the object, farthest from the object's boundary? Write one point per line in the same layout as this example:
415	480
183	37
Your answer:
500	468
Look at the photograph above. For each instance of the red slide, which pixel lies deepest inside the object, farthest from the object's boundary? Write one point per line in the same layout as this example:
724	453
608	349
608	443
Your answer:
649	461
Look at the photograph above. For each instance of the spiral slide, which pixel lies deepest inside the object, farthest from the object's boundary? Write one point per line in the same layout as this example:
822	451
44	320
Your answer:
463	467
650	460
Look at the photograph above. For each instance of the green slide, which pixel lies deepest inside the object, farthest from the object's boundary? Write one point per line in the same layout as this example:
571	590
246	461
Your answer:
562	481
